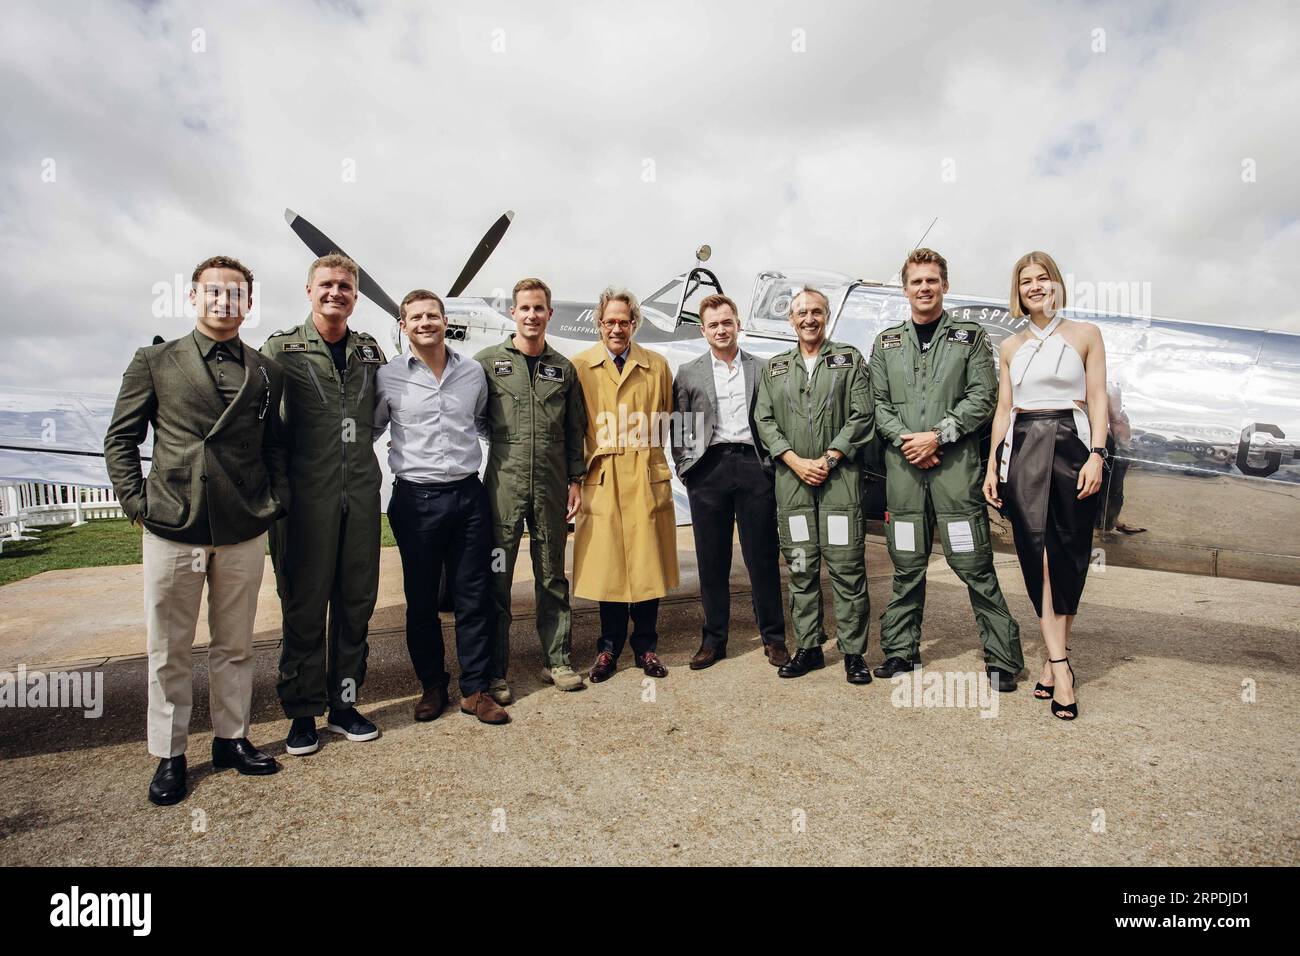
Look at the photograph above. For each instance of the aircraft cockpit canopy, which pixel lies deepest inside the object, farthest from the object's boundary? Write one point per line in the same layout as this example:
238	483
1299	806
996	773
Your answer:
769	310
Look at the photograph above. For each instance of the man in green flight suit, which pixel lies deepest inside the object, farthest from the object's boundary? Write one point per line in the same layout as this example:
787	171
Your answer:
534	478
326	551
813	414
934	386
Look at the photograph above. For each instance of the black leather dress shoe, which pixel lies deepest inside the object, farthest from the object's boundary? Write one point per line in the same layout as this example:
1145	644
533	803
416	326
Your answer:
855	669
1003	680
805	659
894	665
241	755
168	783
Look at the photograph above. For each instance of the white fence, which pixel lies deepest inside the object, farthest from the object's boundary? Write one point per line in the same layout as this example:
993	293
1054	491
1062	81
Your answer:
28	505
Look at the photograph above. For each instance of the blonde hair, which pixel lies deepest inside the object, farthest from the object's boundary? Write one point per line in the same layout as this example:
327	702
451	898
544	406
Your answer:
1036	258
335	260
921	256
617	294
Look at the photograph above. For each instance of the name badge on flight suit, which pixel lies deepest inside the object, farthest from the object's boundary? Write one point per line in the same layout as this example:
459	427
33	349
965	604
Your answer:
891	340
964	336
503	367
295	346
369	353
552	373
777	368
839	360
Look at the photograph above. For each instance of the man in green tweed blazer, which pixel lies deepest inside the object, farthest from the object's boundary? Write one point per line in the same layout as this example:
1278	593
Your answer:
217	482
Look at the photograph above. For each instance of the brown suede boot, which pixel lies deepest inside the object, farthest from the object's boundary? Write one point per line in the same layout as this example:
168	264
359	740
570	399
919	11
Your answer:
482	706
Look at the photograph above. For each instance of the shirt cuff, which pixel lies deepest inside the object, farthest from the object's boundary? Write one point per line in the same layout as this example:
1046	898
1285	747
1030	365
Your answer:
778	449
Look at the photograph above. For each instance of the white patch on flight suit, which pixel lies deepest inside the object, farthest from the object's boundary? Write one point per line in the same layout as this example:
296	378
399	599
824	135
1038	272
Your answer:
960	537
837	529
798	528
904	536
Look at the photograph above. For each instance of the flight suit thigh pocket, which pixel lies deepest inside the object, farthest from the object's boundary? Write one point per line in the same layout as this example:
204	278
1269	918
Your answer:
798	533
842	530
907	537
965	537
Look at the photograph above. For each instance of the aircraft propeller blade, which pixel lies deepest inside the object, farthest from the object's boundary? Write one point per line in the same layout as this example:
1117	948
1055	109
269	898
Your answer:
481	253
323	245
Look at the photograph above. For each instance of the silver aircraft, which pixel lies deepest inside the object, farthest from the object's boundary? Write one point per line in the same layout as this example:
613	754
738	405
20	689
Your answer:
1205	421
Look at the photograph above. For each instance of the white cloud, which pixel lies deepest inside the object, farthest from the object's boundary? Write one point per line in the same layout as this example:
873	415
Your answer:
1125	164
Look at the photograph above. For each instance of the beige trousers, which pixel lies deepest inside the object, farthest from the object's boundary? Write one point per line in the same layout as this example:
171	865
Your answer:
174	574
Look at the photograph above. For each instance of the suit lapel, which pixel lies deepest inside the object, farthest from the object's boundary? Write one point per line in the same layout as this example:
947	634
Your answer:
254	384
750	365
190	361
710	385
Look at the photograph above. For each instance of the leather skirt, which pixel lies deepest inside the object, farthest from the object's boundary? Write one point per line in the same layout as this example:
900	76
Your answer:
1040	498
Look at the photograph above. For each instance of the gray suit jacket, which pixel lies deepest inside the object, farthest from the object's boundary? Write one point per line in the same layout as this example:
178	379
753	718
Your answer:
219	472
695	400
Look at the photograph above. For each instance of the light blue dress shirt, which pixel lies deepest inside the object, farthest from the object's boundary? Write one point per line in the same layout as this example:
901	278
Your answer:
434	427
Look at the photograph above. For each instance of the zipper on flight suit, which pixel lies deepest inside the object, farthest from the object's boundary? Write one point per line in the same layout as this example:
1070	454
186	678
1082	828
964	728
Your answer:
343	416
320	392
532	437
925	388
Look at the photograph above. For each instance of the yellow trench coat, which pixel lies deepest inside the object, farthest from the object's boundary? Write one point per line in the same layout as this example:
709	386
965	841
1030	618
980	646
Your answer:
625	545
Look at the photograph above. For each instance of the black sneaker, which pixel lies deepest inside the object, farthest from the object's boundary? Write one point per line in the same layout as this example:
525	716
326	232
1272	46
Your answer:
894	665
351	724
302	739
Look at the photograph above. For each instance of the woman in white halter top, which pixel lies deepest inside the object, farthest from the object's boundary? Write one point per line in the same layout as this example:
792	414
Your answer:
1049	434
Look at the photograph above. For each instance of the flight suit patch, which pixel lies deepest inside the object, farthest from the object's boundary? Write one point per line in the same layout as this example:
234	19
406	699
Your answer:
552	373
839	360
777	368
369	353
295	346
891	340
964	336
503	367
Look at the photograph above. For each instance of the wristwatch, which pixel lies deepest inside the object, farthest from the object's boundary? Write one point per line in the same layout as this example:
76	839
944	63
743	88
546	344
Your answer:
1101	451
832	461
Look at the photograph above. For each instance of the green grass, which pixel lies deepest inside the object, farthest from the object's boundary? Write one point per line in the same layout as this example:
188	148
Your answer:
95	544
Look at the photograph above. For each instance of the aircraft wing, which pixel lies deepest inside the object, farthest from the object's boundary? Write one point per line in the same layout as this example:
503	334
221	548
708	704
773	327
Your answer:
55	437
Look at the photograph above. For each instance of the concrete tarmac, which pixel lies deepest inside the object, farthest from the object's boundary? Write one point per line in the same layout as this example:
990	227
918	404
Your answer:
1185	752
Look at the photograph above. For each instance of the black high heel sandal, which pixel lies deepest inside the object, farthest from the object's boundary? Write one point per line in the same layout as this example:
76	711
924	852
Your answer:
1064	711
1050	691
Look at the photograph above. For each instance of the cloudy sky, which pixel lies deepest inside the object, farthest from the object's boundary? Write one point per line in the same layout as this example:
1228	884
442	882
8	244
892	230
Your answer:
1139	143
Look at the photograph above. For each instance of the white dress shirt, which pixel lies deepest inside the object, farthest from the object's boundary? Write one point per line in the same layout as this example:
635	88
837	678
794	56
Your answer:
434	427
733	402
